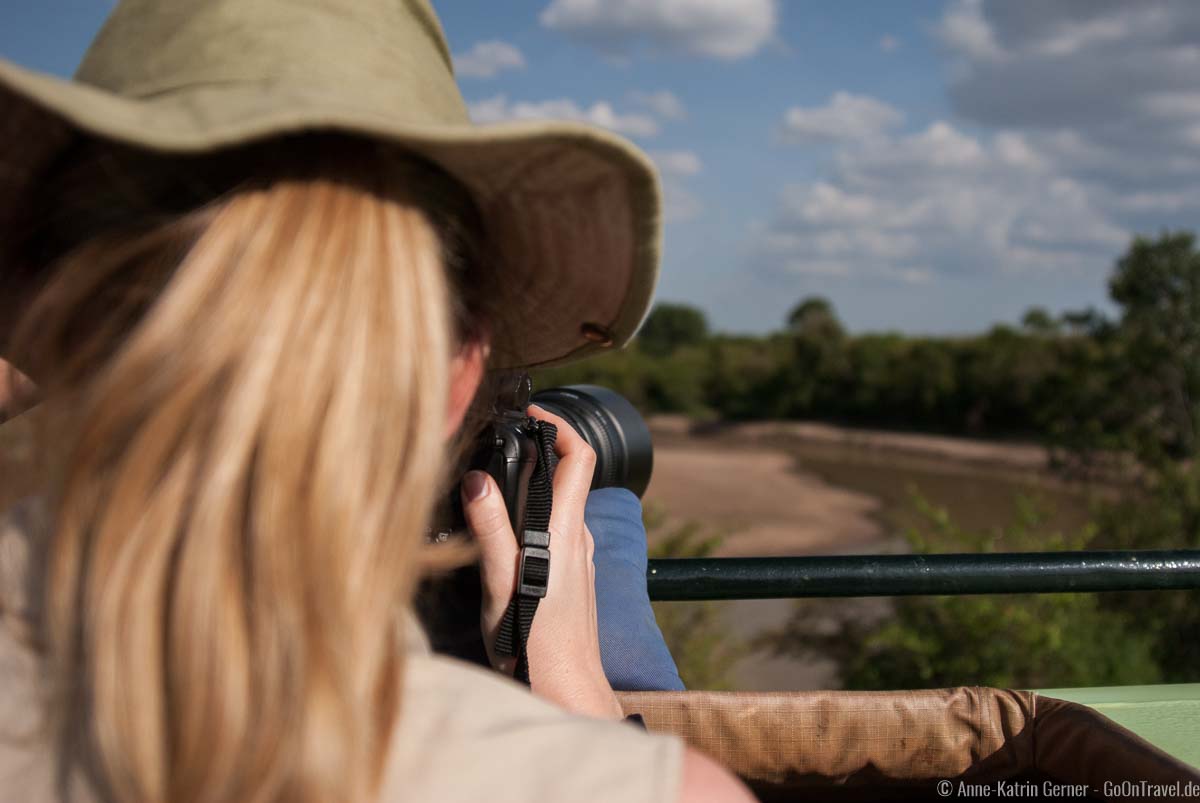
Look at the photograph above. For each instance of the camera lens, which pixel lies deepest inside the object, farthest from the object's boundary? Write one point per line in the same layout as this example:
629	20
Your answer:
612	427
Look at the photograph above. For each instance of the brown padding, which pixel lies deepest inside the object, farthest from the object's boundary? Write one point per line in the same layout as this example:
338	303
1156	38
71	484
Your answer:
777	736
904	739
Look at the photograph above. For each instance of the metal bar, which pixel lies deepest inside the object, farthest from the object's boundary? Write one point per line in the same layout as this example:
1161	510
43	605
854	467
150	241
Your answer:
909	575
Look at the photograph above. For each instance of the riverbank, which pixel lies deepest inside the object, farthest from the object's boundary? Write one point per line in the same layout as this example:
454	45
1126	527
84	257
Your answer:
787	488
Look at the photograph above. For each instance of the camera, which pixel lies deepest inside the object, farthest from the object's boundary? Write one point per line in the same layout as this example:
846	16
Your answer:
506	449
612	427
606	421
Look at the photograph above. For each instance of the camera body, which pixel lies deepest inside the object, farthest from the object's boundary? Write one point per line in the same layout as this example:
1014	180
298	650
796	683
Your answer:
506	448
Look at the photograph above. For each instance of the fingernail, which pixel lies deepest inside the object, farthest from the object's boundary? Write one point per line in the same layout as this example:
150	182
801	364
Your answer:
475	485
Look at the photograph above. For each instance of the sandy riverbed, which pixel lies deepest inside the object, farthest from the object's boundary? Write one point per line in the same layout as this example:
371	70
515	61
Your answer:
759	503
743	483
784	488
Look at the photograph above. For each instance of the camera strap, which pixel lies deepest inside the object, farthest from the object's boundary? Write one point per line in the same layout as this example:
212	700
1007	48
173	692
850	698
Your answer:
533	572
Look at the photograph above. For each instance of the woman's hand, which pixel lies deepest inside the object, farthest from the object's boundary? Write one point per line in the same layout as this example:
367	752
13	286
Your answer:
564	645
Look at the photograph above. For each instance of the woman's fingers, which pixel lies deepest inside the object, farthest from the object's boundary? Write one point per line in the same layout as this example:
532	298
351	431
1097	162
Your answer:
487	519
563	648
572	477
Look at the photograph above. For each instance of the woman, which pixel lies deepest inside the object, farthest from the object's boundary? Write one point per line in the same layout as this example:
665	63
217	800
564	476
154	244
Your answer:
258	264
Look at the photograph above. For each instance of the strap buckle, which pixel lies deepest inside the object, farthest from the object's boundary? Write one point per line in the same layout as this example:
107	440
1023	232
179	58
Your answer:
535	546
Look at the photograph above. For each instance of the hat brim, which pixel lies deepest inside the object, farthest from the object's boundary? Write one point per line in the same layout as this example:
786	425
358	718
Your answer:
580	208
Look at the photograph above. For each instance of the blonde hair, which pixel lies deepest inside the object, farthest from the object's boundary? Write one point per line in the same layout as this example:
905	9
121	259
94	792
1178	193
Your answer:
248	386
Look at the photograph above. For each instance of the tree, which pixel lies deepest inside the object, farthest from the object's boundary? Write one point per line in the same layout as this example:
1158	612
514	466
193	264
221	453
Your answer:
814	317
1157	285
1089	322
670	326
817	344
1163	513
1039	322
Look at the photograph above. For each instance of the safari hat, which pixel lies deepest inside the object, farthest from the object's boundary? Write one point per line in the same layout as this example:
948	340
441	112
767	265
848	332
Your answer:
579	206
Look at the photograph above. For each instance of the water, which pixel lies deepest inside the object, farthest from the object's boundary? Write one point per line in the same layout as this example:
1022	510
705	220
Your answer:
845	494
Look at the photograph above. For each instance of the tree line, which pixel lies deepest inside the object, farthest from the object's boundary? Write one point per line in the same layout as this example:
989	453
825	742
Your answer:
1079	381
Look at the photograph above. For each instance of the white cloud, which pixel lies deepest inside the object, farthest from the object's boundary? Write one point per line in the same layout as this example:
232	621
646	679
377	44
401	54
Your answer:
1179	104
722	29
1071	39
845	116
662	103
939	202
1081	126
1072	125
659	107
499	108
677	163
964	30
888	43
1104	90
486	59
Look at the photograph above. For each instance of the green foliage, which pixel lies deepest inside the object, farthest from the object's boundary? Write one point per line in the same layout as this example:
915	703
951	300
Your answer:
1007	382
1138	390
814	317
1163	514
1040	641
742	375
673	384
670	327
696	633
1009	641
1157	284
1038	321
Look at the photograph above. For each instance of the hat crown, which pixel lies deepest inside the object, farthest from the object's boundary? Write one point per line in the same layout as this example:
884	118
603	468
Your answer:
389	56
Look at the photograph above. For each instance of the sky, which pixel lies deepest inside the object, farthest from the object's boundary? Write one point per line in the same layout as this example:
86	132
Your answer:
933	166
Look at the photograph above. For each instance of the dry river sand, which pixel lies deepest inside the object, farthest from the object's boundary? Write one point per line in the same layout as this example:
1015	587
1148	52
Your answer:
746	488
759	502
762	505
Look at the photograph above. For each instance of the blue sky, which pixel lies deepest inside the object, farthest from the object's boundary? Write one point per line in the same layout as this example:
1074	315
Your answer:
930	166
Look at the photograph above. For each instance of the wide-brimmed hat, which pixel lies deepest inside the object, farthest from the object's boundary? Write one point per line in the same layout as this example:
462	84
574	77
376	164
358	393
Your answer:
579	206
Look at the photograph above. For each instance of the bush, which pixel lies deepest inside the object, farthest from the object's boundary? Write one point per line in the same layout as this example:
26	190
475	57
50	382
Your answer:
670	326
1038	641
1163	514
1009	641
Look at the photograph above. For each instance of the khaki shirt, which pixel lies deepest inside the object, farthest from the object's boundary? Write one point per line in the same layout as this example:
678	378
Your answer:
465	733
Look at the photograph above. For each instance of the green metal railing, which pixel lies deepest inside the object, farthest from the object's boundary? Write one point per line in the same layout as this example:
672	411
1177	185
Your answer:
909	575
1165	715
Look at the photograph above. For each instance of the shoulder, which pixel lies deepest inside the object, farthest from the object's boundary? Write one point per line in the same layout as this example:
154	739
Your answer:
25	762
18	525
468	734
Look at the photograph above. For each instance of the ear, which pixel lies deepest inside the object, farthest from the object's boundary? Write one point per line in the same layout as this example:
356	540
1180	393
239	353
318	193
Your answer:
466	372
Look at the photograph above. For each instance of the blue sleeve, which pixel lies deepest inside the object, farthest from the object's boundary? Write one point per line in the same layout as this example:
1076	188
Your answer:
632	649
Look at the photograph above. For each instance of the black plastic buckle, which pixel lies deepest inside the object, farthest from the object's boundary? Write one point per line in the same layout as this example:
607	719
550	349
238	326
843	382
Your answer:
534	544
